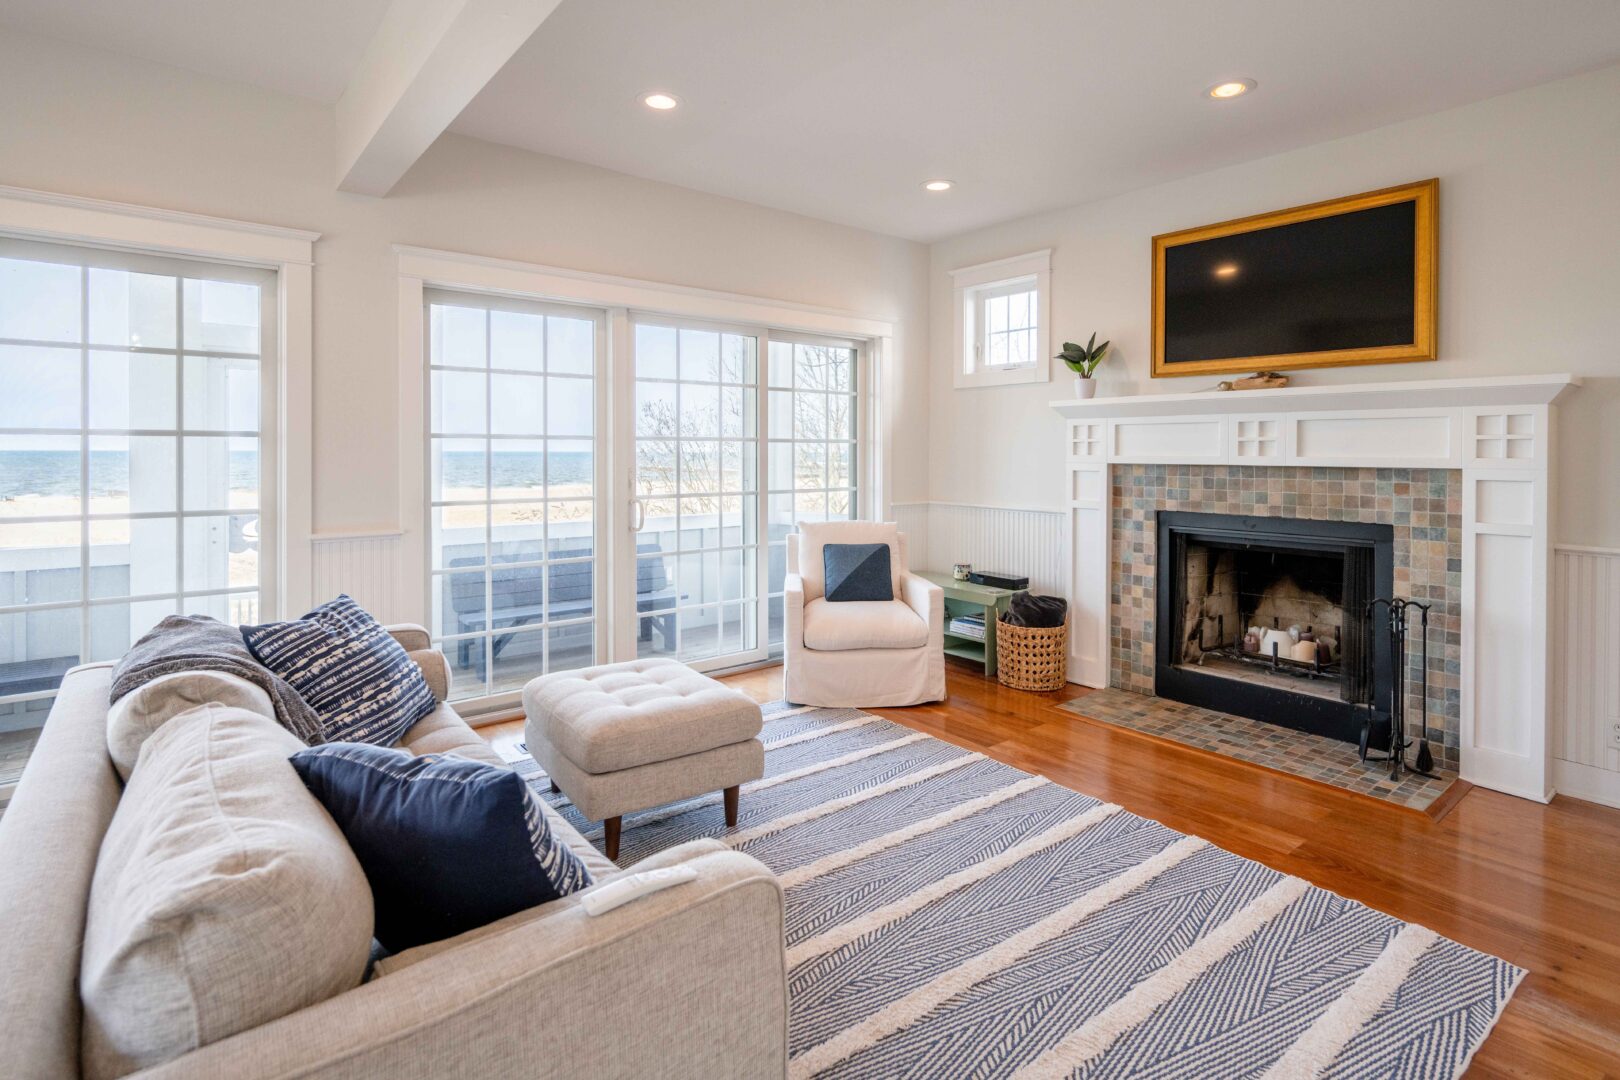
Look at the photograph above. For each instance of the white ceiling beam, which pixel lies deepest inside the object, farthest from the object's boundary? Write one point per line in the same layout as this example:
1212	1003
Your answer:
428	59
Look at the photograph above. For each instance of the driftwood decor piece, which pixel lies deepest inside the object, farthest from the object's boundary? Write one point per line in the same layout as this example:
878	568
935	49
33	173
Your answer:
1260	380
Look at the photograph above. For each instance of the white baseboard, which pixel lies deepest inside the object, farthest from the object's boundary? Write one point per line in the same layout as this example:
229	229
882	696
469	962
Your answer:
1585	782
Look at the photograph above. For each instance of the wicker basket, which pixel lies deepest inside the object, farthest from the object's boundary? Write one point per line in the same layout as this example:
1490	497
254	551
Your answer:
1031	657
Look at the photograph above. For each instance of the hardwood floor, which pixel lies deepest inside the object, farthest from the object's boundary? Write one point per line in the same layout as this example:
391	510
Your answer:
1538	885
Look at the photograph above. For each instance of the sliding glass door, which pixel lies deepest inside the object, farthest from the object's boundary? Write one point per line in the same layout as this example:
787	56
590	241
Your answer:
513	498
812	460
577	519
696	500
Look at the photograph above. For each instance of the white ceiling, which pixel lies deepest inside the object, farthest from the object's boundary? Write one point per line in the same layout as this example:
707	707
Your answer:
307	48
839	109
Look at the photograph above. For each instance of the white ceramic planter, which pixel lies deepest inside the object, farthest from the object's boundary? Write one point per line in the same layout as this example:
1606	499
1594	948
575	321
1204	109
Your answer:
1084	387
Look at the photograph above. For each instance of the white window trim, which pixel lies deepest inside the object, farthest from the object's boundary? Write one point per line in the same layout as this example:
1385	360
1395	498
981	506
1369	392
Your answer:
968	285
420	269
73	219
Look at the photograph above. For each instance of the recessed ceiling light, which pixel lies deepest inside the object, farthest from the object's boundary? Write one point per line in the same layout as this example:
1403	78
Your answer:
1230	89
937	185
1226	270
659	100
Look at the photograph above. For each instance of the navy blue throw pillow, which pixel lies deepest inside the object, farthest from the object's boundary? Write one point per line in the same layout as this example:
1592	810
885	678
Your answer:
447	844
856	572
348	669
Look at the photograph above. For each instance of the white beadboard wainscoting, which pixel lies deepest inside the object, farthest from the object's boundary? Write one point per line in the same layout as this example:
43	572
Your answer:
1585	672
364	565
990	537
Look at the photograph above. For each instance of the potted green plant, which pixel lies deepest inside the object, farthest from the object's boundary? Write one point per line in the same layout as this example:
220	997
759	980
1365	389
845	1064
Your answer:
1083	360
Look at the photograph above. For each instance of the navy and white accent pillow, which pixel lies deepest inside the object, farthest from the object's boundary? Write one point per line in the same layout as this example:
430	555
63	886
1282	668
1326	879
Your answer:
856	572
448	844
348	669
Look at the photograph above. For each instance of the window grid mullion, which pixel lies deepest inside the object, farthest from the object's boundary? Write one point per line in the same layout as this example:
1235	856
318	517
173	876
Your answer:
180	447
139	433
489	513
84	462
545	504
134	350
142	598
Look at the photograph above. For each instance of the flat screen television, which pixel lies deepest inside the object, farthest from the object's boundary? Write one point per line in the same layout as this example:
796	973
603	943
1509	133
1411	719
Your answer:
1350	281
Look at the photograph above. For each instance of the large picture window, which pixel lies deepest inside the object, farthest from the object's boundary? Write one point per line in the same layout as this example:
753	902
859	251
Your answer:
513	498
135	453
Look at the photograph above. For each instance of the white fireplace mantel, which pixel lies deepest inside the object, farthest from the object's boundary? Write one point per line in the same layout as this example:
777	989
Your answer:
1426	393
1498	432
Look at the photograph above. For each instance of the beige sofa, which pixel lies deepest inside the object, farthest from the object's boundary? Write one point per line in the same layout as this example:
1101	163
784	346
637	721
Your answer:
686	982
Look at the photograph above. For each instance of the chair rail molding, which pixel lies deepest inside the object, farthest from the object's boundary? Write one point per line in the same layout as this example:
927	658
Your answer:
1499	432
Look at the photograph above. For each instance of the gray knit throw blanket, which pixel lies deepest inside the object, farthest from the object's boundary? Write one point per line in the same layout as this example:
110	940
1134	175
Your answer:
197	642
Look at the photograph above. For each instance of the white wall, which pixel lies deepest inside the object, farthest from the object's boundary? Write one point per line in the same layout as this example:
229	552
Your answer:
89	123
1529	281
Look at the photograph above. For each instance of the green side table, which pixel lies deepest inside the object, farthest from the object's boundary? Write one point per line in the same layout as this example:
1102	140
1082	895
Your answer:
966	598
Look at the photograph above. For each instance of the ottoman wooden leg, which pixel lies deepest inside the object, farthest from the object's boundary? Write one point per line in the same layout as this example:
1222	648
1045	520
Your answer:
555	790
610	836
732	793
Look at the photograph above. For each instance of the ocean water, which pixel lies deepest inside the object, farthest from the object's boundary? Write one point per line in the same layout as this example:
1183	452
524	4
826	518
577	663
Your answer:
56	472
521	468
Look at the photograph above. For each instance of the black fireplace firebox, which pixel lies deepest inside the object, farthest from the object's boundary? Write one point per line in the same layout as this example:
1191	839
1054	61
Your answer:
1236	594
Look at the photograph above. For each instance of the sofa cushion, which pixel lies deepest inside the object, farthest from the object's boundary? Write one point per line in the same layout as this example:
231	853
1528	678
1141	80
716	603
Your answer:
139	713
814	535
448	844
862	624
618	716
350	670
443	731
857	572
217	870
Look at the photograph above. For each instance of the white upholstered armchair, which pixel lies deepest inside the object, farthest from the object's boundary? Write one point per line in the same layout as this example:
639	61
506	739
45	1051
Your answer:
860	652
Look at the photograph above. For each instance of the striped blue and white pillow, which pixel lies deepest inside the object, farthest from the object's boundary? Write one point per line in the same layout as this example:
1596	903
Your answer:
348	669
448	844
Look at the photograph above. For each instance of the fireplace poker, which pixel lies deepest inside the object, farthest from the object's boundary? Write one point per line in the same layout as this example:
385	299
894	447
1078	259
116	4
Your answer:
1425	759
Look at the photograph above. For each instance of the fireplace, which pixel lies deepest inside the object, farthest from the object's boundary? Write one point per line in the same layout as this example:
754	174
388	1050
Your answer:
1460	469
1265	617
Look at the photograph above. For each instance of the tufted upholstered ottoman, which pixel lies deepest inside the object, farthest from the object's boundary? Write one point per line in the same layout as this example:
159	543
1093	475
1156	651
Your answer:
625	737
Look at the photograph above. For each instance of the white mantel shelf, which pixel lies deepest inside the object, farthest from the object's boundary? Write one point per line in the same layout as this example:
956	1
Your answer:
1348	397
1497	431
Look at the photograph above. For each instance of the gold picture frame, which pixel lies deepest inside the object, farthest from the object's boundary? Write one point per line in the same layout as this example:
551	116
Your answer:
1424	195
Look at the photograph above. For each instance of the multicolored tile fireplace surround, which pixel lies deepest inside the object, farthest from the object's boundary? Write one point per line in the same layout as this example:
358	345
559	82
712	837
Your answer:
1424	507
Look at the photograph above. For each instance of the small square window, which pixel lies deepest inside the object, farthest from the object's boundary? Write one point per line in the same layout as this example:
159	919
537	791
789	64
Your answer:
1000	308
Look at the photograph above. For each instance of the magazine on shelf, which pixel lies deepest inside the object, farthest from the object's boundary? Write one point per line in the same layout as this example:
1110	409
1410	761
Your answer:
970	626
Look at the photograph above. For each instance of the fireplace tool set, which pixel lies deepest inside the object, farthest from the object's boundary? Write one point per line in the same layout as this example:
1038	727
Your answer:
1399	623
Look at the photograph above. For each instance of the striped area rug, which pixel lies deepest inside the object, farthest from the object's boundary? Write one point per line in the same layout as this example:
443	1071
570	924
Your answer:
951	916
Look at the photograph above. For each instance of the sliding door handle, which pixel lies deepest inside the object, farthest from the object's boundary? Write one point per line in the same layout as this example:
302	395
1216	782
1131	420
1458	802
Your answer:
640	512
